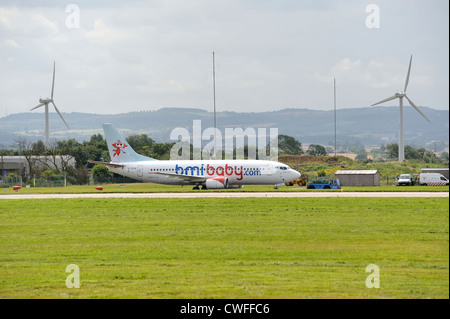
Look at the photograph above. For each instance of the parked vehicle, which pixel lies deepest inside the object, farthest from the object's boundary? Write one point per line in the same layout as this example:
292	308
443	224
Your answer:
324	184
432	179
405	180
301	181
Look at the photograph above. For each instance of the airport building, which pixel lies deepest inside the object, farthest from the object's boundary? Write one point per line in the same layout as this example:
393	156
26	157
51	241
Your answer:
20	165
358	177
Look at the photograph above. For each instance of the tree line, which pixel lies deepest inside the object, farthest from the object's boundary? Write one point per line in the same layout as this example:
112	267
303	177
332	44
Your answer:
42	161
411	153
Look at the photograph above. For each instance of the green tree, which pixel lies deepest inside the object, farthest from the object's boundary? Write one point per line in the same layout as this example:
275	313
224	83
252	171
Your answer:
161	151
97	138
75	149
95	149
289	145
101	174
317	150
420	154
38	148
142	144
411	153
140	141
391	150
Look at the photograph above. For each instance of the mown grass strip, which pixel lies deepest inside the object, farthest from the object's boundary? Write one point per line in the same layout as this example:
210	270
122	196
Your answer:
157	188
225	248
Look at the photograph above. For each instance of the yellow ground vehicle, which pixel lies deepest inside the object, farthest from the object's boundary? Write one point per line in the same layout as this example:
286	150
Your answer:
301	181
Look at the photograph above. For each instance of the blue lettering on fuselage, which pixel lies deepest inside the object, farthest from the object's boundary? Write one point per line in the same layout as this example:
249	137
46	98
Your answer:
224	170
191	169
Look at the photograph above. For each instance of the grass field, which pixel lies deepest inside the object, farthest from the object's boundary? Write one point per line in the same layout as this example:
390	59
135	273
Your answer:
225	248
158	188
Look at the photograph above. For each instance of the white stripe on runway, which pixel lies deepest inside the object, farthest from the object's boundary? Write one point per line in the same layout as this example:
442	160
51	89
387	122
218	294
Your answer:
229	195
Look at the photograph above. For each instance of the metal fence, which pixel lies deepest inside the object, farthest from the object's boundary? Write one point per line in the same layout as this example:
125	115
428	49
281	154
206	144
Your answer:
59	181
50	181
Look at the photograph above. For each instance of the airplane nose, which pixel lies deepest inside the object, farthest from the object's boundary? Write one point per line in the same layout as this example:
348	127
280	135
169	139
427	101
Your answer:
296	174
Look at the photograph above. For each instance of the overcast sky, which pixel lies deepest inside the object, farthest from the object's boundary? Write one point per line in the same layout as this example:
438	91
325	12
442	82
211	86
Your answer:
270	54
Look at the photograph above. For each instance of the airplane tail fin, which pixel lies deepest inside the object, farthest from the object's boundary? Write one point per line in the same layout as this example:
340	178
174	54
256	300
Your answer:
118	147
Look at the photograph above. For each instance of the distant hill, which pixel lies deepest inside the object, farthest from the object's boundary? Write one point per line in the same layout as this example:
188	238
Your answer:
366	126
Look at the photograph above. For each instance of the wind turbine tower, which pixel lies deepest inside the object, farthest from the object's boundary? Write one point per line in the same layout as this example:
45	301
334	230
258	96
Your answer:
400	96
46	102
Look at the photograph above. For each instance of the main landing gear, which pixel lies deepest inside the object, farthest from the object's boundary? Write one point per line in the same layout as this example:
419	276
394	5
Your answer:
197	187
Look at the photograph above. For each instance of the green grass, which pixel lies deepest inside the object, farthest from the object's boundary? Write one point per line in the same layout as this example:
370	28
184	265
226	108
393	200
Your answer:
158	188
225	248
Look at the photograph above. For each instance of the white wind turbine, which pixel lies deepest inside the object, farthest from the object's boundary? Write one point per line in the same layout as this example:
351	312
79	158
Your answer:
46	103
400	96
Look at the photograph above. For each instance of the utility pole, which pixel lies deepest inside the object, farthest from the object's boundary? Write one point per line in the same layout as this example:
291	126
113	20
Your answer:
335	139
214	96
3	168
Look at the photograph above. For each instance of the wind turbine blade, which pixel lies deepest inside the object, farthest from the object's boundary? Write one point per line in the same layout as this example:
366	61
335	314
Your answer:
53	82
60	115
409	71
385	100
37	106
417	109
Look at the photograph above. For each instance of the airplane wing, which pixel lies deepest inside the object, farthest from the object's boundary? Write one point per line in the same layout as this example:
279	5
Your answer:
186	178
107	164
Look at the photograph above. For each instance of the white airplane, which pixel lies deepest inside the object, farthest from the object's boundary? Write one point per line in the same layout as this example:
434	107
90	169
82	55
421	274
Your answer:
209	174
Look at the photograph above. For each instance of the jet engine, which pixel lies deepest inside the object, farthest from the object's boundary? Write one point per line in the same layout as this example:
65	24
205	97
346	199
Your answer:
216	183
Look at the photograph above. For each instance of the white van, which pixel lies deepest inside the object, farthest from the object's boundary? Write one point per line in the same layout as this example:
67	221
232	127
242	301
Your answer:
404	179
432	179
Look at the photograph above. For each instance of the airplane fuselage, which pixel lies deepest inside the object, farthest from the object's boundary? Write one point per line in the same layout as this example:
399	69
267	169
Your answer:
238	172
209	174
